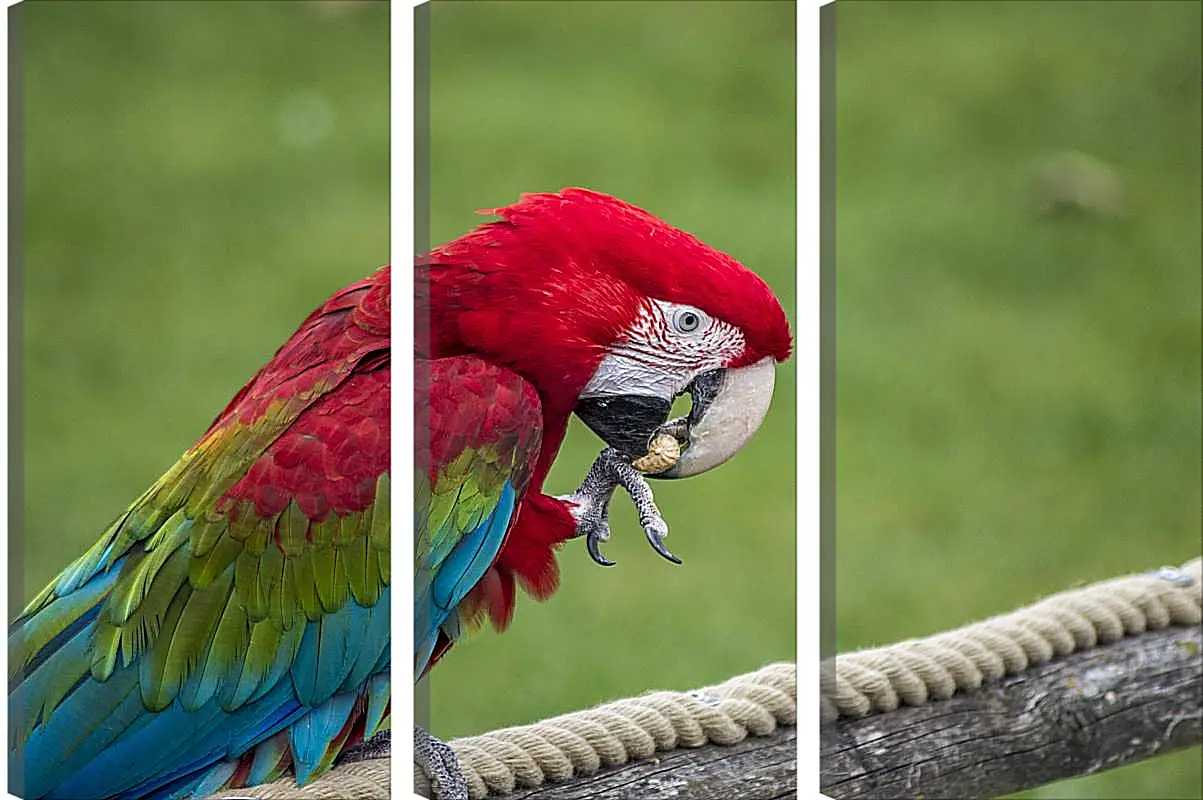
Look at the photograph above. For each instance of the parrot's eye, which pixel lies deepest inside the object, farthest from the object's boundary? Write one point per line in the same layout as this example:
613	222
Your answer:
688	320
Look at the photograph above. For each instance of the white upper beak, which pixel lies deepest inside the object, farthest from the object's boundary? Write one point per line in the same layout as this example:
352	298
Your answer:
728	421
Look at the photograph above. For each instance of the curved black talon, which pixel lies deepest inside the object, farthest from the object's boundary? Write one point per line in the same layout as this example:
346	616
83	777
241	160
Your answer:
591	544
657	543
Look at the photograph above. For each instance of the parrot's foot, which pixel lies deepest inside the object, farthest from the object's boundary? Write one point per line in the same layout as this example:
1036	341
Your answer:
440	764
592	505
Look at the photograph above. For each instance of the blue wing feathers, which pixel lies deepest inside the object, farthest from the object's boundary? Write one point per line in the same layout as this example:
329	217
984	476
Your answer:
485	420
312	735
269	755
378	703
80	608
462	568
192	786
376	635
472	555
101	742
127	683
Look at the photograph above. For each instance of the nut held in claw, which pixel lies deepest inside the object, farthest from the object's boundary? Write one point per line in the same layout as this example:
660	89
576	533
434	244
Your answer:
663	454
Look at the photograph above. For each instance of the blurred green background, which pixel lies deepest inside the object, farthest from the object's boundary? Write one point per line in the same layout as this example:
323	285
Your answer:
1018	244
685	109
199	176
1018	314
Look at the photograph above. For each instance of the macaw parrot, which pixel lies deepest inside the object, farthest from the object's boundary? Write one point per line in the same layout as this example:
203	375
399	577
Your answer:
571	302
234	620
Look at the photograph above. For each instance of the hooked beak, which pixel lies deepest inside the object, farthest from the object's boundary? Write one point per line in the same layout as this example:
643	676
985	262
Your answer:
728	406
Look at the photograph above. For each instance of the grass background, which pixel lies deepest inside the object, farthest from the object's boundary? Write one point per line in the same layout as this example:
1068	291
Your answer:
1018	393
198	177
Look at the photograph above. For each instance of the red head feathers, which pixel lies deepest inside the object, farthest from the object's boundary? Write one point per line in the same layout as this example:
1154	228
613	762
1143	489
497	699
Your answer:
559	278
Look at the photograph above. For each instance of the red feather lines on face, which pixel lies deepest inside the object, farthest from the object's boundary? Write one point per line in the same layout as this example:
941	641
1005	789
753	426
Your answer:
326	392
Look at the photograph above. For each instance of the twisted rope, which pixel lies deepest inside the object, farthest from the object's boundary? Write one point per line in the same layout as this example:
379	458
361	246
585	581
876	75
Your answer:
853	684
361	774
363	780
918	670
581	743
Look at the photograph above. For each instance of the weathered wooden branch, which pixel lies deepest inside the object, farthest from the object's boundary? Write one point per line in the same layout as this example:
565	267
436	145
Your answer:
1088	712
758	768
1082	713
735	740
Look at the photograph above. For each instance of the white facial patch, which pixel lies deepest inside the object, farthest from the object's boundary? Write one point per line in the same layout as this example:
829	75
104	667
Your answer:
663	350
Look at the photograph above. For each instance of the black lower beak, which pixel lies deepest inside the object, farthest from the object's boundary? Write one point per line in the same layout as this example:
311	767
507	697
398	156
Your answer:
627	423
